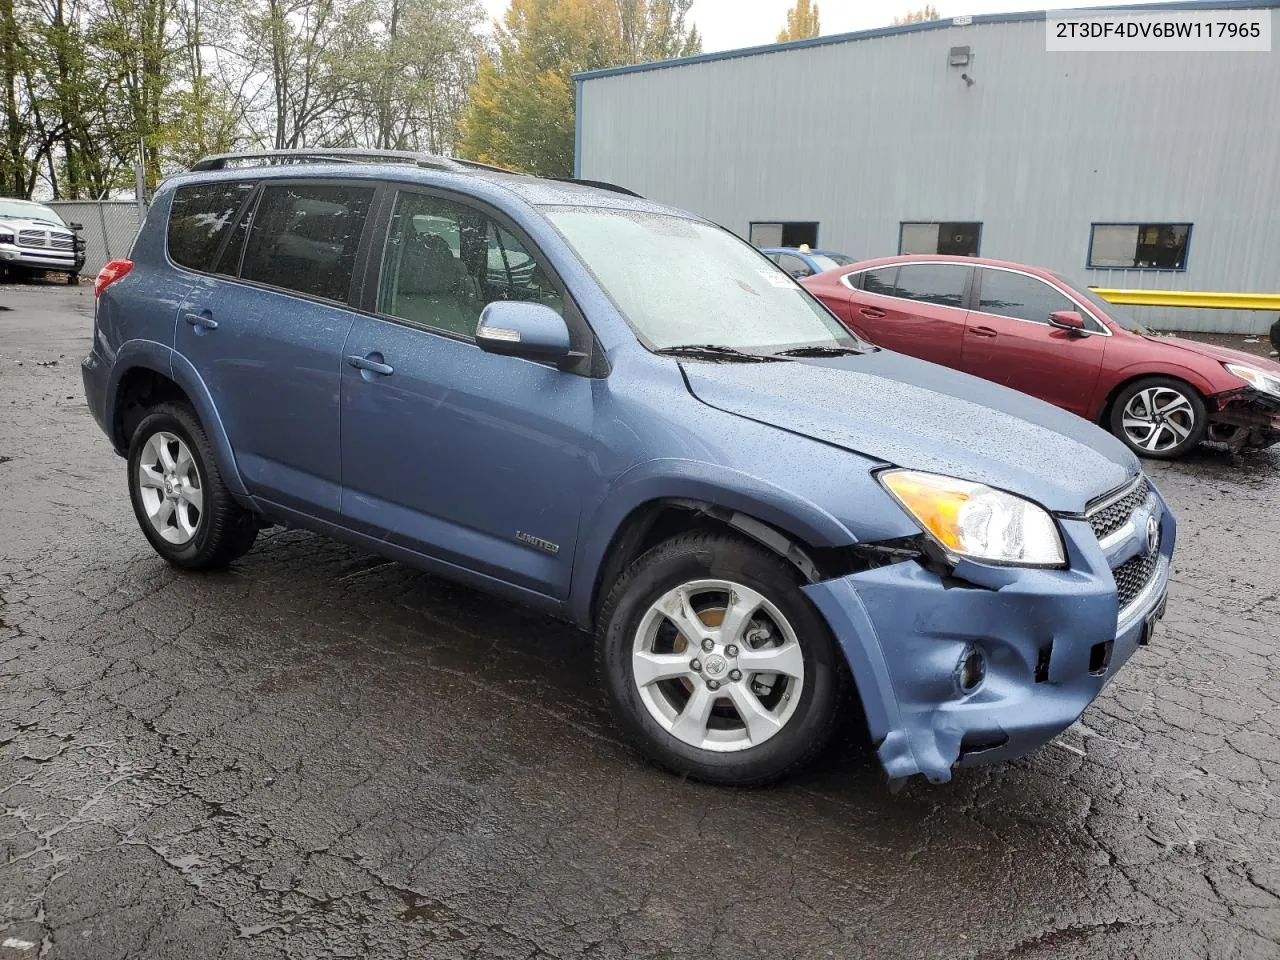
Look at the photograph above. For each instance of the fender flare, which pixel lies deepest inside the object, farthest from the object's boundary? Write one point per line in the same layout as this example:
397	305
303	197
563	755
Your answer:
677	479
1149	368
164	360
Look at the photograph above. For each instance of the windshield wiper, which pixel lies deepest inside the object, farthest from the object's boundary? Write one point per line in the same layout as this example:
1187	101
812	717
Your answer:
820	352
713	351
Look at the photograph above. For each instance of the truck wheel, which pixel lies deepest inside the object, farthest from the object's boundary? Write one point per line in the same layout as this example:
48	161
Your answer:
178	496
716	665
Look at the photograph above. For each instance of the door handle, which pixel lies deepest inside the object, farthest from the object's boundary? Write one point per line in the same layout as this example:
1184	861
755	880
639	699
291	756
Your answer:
200	321
983	332
871	313
372	365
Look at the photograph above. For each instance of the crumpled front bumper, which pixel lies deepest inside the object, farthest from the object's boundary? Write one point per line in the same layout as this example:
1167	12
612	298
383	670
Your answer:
1052	639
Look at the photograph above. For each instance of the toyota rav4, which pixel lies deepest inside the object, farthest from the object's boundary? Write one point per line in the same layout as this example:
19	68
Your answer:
625	416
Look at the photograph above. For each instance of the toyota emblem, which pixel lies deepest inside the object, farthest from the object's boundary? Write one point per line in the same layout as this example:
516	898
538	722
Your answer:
1153	534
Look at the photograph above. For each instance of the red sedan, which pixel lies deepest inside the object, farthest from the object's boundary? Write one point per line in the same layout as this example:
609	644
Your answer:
1035	331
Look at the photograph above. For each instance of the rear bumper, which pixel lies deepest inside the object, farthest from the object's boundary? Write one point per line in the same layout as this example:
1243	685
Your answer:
93	371
1051	641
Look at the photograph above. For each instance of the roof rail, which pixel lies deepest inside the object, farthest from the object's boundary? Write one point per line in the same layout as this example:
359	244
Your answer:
220	161
599	185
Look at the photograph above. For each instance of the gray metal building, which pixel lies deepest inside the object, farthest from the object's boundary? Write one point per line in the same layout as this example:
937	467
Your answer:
1122	170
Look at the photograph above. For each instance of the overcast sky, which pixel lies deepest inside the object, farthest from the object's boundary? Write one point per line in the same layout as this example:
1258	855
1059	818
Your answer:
726	24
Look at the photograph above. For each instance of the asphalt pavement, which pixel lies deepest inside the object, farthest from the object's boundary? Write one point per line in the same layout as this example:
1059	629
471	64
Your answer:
320	753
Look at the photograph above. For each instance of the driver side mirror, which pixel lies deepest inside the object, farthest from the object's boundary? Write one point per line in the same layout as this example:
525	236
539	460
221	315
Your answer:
532	331
1068	320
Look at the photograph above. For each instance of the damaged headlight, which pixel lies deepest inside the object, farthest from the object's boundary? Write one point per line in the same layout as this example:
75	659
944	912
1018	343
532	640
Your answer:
1260	380
973	520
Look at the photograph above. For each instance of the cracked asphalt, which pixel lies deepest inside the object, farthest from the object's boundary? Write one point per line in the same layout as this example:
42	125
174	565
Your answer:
320	753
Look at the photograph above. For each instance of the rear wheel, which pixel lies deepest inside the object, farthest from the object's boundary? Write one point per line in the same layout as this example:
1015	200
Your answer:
716	665
1159	417
182	505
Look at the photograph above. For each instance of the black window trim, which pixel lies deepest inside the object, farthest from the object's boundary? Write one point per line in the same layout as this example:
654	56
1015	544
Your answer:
1186	247
594	364
976	299
350	303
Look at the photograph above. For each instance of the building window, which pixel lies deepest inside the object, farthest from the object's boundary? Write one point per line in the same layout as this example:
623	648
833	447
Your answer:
1139	246
764	235
953	239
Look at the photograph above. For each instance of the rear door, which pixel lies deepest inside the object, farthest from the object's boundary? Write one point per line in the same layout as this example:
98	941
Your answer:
475	459
1009	340
265	334
914	308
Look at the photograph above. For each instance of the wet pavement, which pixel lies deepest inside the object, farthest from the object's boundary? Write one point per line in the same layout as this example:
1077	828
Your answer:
320	753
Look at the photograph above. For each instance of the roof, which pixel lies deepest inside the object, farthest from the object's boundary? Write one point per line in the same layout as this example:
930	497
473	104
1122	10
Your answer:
898	258
913	28
538	191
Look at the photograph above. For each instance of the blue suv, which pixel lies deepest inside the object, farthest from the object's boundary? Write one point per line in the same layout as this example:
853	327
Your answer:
624	416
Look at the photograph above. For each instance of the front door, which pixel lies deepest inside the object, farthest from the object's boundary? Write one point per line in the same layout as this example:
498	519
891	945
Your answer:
475	459
1009	340
268	344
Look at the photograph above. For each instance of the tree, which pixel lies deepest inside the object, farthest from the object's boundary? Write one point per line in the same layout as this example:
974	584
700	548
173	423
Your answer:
520	111
802	22
927	12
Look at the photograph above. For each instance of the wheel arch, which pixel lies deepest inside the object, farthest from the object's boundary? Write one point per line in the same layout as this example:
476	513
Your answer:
1132	375
146	373
662	499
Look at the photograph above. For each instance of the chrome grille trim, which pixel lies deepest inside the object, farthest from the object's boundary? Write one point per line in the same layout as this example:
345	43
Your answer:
1130	612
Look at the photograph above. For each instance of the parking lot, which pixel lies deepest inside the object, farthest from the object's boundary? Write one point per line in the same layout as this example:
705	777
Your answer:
320	753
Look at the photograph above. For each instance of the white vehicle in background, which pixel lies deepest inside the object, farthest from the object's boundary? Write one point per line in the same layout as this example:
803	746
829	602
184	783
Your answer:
34	239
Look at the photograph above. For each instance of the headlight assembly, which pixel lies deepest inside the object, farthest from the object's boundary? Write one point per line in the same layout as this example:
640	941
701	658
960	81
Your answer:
975	521
1260	380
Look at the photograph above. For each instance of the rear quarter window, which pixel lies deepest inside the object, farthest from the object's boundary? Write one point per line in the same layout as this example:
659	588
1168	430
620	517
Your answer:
200	218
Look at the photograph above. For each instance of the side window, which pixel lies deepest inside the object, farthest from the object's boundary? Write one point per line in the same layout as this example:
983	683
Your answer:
882	281
304	238
794	266
200	219
444	261
940	283
1017	295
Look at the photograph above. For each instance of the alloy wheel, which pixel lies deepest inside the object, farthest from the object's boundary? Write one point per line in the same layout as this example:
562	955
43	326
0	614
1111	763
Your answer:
717	665
1157	419
170	488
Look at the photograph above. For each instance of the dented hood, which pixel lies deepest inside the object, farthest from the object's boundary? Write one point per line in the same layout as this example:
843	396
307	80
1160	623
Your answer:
910	413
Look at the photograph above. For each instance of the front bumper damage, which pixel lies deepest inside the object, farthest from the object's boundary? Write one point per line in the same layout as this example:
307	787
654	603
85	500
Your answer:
1245	418
1051	639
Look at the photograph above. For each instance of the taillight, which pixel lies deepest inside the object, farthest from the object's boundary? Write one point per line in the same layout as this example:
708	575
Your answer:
113	271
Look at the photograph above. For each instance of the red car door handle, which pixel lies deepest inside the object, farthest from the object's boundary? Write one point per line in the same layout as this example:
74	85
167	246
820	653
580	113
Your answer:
983	332
871	313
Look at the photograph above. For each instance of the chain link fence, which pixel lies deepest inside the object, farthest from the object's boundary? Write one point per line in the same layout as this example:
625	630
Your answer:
109	228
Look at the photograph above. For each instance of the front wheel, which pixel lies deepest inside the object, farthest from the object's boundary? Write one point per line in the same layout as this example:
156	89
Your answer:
716	665
1159	417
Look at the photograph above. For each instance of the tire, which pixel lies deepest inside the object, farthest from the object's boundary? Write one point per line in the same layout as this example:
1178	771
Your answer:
1159	417
73	279
797	716
204	528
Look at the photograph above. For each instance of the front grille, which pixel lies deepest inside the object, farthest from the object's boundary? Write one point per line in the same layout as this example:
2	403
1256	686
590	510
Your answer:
31	238
1109	518
1134	574
59	241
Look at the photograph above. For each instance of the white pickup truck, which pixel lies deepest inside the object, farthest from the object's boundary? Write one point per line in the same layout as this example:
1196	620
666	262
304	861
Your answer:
34	239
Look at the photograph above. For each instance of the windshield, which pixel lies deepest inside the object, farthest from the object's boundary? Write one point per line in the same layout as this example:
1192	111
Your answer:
1107	309
30	211
682	282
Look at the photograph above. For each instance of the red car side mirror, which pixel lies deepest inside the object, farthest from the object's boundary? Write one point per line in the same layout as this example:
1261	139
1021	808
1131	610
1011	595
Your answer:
1068	320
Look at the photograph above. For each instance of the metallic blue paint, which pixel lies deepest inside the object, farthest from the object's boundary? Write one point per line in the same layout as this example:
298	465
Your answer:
477	465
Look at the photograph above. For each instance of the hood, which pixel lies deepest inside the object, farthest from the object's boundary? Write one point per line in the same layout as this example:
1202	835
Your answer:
1214	352
910	413
32	223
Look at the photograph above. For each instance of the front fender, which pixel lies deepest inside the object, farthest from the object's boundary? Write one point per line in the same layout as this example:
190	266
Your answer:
164	360
676	479
1162	368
